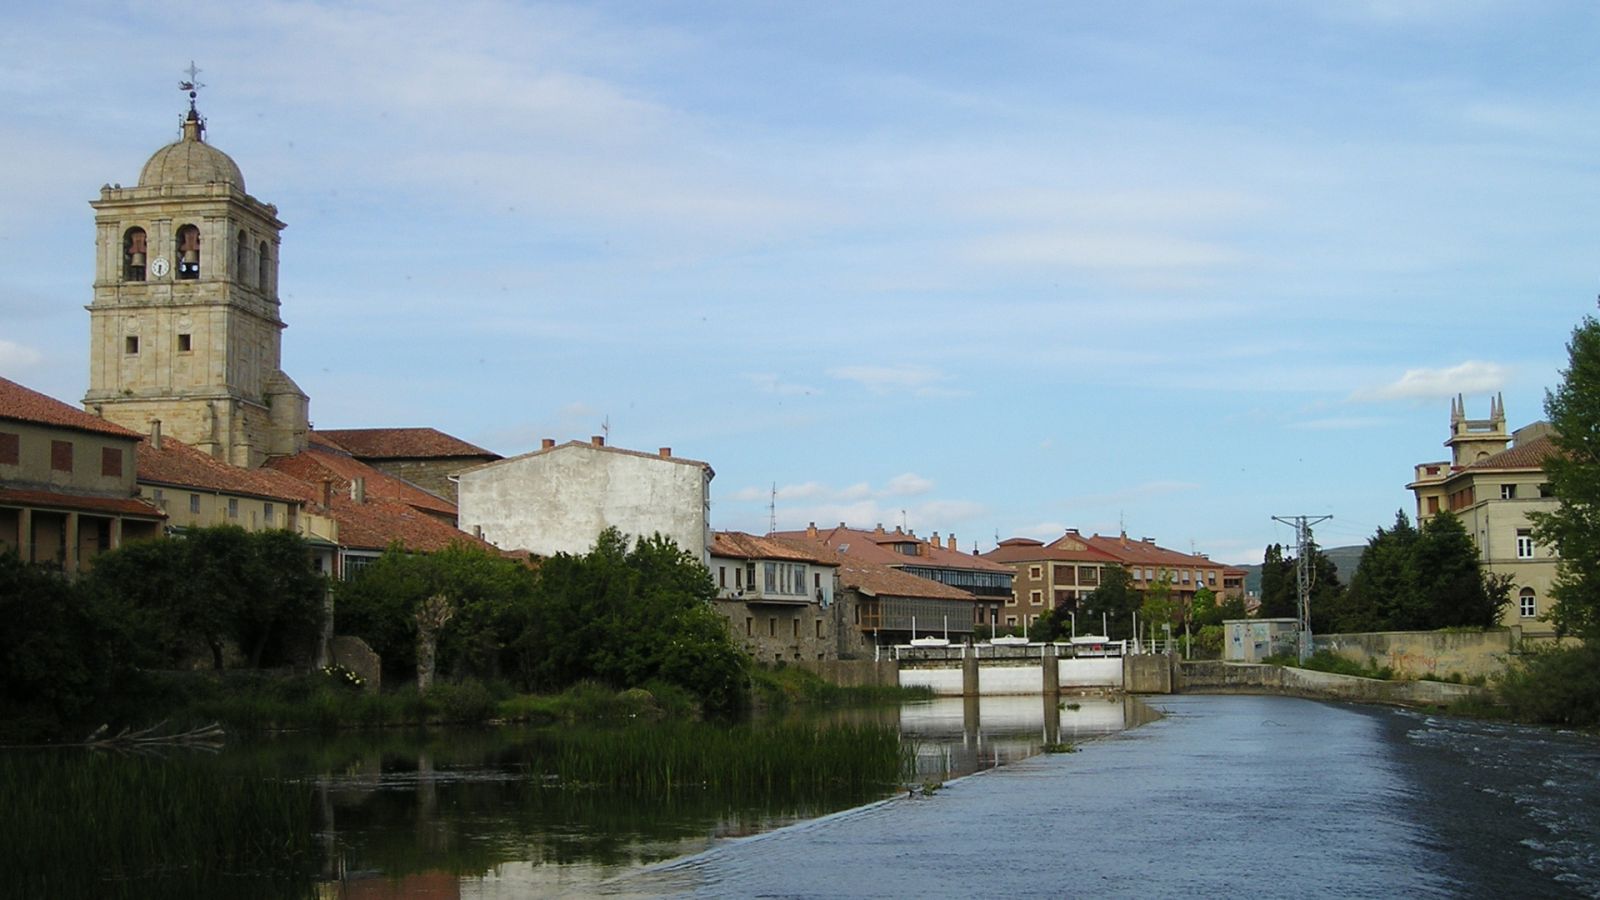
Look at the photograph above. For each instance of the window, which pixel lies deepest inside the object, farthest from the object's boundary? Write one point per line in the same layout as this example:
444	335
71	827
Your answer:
1524	543
722	576
749	626
266	513
795	627
61	456
738	578
1525	605
818	623
1012	600
185	344
110	462
188	253
1544	491
1185	576
264	271
1149	575
1035	572
194	503
1211	578
241	257
10	448
133	254
772	626
1011	620
1433	505
130	344
233	507
1508	492
1035	597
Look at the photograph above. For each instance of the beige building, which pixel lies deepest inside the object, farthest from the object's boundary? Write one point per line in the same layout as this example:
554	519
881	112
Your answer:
1492	481
184	325
777	596
67	491
426	457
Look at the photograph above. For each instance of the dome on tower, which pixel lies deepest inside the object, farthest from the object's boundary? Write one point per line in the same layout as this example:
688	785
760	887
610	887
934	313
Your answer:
190	160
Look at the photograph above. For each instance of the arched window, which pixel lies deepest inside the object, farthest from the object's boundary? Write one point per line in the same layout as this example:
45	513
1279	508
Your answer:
1526	606
133	254
188	252
264	275
241	257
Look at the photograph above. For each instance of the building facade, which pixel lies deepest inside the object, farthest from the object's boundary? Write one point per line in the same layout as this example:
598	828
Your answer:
426	457
558	499
1492	482
184	324
778	597
67	486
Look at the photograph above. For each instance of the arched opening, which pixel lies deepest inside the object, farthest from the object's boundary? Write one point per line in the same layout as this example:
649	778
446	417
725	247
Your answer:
264	275
188	252
241	256
133	254
1527	607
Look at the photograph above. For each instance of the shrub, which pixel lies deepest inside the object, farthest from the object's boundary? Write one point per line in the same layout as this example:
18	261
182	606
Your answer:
1558	686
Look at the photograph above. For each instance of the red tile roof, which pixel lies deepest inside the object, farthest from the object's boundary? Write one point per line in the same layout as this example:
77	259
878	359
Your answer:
739	545
379	522
25	405
879	547
1026	550
319	461
1530	455
181	465
881	581
1131	552
402	443
125	506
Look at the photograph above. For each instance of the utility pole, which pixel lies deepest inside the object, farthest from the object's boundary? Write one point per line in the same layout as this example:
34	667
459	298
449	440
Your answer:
1305	573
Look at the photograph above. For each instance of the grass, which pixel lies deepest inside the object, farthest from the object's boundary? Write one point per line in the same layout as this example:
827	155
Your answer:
81	824
1327	661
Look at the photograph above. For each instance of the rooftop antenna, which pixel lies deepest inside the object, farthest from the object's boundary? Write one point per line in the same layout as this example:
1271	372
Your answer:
772	511
904	525
605	427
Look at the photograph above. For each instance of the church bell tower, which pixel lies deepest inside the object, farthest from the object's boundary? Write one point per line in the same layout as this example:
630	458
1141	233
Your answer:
184	327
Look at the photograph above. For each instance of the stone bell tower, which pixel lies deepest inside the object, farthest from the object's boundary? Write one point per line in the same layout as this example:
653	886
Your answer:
184	326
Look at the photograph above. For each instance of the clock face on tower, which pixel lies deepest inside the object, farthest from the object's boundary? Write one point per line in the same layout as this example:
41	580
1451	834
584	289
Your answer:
159	267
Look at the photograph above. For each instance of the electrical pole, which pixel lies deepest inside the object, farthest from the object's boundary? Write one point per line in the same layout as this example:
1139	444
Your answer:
1305	572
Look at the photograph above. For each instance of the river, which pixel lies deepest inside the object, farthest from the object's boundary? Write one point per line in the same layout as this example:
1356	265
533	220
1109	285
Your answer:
1224	796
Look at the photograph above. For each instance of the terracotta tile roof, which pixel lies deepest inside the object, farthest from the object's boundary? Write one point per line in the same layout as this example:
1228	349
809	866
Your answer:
601	448
402	443
126	506
880	581
879	548
181	465
739	545
1530	455
320	461
1026	550
1131	552
25	405
378	522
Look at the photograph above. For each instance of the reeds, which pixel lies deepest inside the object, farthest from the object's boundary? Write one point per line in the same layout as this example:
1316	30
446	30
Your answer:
88	824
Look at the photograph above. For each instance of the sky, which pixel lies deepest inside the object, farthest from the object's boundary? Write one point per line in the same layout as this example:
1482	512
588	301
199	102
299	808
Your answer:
986	269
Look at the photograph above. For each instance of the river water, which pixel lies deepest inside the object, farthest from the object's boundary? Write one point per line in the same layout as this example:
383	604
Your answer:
1224	796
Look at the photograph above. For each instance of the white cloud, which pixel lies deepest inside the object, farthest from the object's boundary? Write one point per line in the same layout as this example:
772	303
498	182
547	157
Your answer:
908	484
922	381
16	357
1098	250
1470	377
771	383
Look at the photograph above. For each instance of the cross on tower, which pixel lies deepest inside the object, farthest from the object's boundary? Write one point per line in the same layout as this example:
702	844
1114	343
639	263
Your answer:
192	84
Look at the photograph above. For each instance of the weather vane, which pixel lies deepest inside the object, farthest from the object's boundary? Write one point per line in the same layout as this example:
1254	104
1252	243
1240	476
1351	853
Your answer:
192	85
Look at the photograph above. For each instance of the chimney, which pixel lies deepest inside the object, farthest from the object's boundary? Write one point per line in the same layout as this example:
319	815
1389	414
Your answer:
327	492
950	542
935	539
547	443
155	433
811	529
665	452
880	529
598	440
358	490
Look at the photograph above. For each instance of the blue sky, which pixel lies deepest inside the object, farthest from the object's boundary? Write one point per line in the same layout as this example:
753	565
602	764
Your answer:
982	268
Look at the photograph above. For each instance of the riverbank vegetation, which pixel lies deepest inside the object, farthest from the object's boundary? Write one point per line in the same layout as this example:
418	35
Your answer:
781	687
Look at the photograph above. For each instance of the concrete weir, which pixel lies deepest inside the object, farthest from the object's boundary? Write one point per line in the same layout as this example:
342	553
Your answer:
986	670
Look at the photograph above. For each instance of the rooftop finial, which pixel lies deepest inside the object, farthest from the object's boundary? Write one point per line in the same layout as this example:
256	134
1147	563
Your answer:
193	126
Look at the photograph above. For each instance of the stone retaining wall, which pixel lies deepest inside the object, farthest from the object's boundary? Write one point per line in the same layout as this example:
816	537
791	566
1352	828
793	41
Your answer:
1413	654
1214	677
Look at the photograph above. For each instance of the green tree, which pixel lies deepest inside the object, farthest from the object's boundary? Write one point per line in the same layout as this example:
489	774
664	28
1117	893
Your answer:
63	653
1280	587
1573	528
1158	608
210	587
1451	590
627	615
1383	580
455	610
1115	599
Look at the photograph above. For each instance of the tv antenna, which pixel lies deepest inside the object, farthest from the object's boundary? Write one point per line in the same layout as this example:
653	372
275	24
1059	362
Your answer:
772	510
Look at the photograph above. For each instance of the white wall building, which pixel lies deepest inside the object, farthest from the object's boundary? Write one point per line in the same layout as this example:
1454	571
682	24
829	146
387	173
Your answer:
559	498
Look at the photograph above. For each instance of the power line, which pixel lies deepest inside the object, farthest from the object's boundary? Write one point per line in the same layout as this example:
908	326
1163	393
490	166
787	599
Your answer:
1305	572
